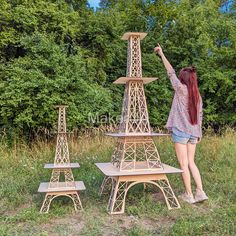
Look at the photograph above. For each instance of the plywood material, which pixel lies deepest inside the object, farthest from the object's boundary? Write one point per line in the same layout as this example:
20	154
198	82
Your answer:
64	166
110	170
127	35
120	185
61	166
124	80
61	187
135	158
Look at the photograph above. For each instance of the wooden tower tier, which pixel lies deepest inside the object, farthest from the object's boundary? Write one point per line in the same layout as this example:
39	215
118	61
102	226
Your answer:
135	153
135	148
61	168
135	159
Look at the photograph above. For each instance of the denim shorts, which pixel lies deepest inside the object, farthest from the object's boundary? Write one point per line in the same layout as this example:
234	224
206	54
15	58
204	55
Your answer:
176	138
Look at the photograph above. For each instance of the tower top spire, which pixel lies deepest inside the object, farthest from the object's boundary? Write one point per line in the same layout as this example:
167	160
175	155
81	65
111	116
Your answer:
134	61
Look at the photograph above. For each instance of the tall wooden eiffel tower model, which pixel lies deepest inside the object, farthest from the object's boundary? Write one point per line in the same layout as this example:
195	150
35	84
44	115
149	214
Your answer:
62	165
136	158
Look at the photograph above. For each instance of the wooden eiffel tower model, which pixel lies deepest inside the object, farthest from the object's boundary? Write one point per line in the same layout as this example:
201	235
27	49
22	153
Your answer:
62	165
136	158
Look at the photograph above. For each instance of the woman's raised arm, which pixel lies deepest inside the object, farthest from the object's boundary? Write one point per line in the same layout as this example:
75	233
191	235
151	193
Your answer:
166	63
175	82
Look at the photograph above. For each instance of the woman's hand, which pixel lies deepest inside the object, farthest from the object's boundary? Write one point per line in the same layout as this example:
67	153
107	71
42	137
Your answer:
158	50
199	140
166	63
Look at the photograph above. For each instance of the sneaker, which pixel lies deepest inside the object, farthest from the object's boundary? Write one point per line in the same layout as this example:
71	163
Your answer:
187	198
200	196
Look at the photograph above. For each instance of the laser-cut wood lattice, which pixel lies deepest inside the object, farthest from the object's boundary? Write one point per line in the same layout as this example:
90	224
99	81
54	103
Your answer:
119	182
137	144
61	168
136	158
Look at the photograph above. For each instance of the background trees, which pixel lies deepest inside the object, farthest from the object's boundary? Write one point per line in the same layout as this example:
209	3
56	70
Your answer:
63	52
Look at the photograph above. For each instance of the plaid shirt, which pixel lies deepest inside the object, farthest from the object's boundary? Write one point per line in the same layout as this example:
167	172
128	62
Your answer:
179	116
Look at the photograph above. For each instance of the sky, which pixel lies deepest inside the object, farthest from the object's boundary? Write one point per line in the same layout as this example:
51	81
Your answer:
94	3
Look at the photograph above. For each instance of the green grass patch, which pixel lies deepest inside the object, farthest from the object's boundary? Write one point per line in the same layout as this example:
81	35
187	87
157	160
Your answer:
145	214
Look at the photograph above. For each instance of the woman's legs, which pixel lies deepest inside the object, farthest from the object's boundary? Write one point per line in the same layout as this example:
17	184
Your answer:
182	155
192	166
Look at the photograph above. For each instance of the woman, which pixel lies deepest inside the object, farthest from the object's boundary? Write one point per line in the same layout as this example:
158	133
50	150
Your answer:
184	122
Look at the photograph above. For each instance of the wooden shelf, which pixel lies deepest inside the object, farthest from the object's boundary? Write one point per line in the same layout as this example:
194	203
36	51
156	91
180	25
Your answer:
109	170
61	187
65	166
124	80
127	35
135	134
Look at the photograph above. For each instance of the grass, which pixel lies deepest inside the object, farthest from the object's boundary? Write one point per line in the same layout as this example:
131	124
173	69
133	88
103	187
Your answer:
21	171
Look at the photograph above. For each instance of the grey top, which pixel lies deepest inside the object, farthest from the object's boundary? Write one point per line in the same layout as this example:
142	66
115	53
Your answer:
179	116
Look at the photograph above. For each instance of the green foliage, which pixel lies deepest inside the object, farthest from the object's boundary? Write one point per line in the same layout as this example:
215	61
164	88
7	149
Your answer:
46	76
206	38
61	52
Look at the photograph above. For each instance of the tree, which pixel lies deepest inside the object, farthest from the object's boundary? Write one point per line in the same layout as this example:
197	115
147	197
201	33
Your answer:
62	52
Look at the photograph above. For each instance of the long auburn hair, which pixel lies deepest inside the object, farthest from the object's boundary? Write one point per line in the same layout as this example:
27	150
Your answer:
188	76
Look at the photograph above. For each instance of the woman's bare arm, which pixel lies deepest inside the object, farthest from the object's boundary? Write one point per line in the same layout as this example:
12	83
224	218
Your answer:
166	63
175	82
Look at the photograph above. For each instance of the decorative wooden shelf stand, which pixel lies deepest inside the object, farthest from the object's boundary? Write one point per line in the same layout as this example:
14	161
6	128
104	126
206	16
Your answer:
62	165
136	158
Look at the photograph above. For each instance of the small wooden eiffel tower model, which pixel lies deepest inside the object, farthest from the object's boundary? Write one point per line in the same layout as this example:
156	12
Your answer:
61	168
136	158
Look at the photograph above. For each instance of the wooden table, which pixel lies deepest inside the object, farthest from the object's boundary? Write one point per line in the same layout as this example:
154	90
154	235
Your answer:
119	182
